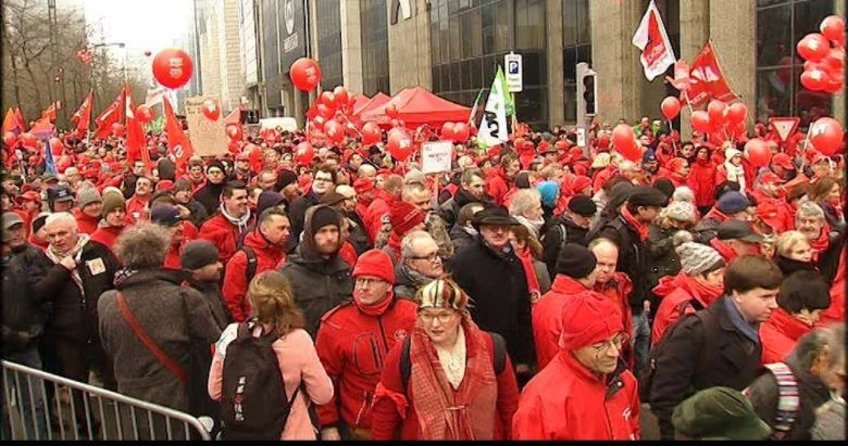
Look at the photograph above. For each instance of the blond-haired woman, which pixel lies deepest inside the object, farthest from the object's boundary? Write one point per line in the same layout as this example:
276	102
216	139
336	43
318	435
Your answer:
276	314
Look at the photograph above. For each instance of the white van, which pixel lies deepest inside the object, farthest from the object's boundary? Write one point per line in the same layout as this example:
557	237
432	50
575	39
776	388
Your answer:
285	122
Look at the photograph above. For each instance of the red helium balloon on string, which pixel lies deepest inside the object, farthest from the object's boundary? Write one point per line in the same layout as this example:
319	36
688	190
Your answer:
371	133
305	74
233	131
813	47
700	121
341	96
211	110
446	131
670	107
624	139
716	109
460	132
815	79
737	113
334	131
304	154
826	135
172	67
399	144
833	28
328	98
758	152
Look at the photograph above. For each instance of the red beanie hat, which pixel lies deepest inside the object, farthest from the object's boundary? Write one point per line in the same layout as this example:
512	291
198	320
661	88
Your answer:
375	263
404	216
589	320
363	185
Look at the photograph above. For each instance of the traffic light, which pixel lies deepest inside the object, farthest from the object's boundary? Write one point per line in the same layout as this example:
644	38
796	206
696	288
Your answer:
249	117
589	94
587	89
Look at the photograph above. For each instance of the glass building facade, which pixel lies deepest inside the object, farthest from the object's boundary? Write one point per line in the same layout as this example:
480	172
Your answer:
329	34
375	47
780	25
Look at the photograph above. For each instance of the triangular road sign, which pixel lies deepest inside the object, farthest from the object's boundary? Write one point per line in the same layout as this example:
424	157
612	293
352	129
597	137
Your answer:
784	126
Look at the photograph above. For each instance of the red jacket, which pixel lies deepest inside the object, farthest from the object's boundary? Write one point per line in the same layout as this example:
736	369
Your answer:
779	334
785	216
547	316
702	181
352	347
223	234
727	253
373	219
107	235
600	177
497	185
676	292
85	223
566	401
234	289
387	418
836	311
618	289
137	210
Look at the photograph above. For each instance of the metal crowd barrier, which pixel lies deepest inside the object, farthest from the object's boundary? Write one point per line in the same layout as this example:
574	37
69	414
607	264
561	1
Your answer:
42	406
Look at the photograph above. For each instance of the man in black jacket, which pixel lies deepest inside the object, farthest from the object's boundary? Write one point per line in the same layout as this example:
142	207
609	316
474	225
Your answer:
492	275
323	180
574	225
717	346
472	189
629	230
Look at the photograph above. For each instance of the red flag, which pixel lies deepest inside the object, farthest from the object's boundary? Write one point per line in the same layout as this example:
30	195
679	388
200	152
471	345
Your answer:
9	121
136	142
110	115
707	80
82	117
178	142
652	39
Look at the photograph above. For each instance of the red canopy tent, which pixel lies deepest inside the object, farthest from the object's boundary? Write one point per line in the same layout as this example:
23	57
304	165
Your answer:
380	99
417	106
359	101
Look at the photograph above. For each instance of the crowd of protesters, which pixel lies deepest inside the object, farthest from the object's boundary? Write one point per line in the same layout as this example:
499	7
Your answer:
555	296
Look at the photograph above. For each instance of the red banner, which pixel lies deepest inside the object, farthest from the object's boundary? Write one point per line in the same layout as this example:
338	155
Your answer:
707	81
178	142
82	117
112	114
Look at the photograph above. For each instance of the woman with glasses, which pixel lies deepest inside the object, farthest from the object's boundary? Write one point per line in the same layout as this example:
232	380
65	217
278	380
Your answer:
449	380
585	392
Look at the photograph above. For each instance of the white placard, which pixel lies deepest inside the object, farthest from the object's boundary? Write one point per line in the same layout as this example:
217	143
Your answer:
207	137
581	137
436	157
514	78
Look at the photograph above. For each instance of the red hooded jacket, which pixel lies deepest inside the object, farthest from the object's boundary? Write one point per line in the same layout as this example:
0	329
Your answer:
353	347
107	235
85	223
779	334
566	401
702	181
373	218
223	234
497	185
676	293
234	289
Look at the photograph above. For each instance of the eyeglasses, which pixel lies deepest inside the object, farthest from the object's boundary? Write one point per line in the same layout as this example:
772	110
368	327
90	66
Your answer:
443	318
433	257
617	341
326	180
363	283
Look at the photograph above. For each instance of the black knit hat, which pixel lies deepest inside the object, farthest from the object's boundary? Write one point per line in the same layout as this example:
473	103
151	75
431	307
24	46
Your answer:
325	216
218	164
197	254
583	206
647	196
575	261
284	178
268	199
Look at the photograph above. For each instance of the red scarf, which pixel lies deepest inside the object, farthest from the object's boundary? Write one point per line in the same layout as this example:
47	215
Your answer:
726	251
640	227
820	244
526	258
467	413
375	309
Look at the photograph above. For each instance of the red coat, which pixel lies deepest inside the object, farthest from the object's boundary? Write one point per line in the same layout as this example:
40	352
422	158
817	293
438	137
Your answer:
107	235
702	181
497	185
566	401
600	177
234	289
352	347
223	234
547	316
836	311
676	292
618	290
85	223
387	418
373	219
137	210
779	334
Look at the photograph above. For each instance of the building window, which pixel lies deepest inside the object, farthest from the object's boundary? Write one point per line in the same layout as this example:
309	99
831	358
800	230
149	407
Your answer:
576	48
375	47
779	68
329	43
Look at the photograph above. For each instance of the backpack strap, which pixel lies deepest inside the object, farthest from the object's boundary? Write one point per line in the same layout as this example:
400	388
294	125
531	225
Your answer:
148	342
498	357
789	400
563	234
250	272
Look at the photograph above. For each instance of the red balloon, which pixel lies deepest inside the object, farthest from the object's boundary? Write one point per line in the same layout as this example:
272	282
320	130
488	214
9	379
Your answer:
305	74
399	144
815	79
447	131
717	109
813	47
341	95
335	132
9	139
211	110
233	131
172	67
144	114
741	129
701	121
826	135
460	132
833	28
117	129
834	84
340	117
737	113
328	98
304	154
319	122
834	62
28	140
758	152
625	142
670	107
371	133
324	111
391	111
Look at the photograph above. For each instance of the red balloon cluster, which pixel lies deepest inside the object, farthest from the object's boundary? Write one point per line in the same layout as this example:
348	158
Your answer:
172	67
720	120
824	69
455	131
329	118
305	74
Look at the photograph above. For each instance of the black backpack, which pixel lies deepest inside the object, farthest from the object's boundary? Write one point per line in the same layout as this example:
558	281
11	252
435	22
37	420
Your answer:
253	404
250	271
498	358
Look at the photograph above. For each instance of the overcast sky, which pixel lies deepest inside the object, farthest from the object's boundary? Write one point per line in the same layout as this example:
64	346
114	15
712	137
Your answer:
141	24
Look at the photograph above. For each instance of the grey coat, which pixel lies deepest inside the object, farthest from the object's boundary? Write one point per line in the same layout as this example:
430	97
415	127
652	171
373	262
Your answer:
174	316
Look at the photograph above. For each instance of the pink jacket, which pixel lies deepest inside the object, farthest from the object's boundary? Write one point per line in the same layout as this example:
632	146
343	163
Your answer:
298	362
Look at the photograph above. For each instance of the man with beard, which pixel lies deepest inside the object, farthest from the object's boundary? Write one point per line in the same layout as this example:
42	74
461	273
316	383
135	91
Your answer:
472	189
826	242
230	222
323	180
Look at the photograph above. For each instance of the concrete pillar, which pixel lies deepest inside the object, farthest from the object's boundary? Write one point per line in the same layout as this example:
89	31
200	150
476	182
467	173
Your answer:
410	61
733	29
694	33
839	100
556	84
351	26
